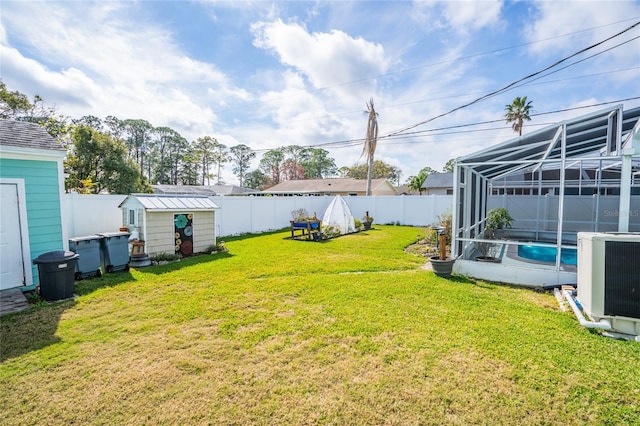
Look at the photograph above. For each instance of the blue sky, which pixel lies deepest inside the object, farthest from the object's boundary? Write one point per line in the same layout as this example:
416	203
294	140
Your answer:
269	74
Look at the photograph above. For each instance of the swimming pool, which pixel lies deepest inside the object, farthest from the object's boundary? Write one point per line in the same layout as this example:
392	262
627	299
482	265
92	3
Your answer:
568	256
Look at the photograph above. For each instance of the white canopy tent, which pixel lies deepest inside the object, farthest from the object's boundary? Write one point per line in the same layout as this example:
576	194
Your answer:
338	215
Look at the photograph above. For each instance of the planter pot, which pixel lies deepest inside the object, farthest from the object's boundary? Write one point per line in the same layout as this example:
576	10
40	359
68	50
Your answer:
489	259
442	268
367	225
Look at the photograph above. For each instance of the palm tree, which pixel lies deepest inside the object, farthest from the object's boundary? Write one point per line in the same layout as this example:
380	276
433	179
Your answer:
370	141
517	112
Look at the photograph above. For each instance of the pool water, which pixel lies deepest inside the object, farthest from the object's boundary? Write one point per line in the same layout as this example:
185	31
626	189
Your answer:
568	256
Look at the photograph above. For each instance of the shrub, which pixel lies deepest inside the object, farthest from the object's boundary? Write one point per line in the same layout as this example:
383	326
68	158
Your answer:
215	248
166	257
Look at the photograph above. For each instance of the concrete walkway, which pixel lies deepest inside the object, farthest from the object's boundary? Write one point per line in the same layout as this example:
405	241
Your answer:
12	300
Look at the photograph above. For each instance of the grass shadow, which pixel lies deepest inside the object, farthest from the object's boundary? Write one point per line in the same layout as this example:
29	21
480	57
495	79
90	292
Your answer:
246	236
87	286
31	329
461	279
186	262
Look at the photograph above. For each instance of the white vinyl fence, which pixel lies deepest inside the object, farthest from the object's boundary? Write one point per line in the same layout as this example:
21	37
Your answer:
91	214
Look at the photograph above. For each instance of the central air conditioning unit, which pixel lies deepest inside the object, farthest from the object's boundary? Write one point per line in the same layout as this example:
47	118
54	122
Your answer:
609	278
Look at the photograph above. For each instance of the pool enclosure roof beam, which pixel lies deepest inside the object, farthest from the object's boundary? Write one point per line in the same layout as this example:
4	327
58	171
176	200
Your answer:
594	143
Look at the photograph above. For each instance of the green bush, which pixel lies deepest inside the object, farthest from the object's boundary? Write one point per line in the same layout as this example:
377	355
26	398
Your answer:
166	257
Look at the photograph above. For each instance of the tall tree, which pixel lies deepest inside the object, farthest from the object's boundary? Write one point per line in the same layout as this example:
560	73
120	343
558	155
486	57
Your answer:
115	126
16	106
205	147
13	104
220	156
99	162
415	182
241	156
271	164
188	167
449	166
370	141
319	165
380	170
89	120
138	139
160	148
517	112
293	165
255	179
176	157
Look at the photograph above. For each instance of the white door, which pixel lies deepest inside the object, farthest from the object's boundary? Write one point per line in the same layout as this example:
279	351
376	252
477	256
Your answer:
11	260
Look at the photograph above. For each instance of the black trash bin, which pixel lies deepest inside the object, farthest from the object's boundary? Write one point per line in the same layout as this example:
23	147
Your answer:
56	270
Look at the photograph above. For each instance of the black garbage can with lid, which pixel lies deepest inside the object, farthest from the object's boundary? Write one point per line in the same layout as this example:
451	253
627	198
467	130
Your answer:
56	270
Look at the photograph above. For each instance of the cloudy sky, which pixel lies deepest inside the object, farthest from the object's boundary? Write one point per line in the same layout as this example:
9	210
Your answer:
269	74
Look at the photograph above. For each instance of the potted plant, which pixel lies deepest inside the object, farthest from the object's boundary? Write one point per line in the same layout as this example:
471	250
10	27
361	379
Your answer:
367	221
442	264
498	219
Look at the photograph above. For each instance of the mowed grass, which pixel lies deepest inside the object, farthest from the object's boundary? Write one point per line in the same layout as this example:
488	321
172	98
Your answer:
349	331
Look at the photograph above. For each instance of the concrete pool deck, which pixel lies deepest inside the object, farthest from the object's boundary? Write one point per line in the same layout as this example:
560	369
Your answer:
514	269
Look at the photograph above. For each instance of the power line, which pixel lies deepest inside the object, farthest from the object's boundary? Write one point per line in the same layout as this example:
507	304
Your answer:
514	83
503	49
387	107
354	142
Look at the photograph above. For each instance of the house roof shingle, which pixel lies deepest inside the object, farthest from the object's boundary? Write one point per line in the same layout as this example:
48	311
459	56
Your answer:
26	135
324	185
203	189
438	180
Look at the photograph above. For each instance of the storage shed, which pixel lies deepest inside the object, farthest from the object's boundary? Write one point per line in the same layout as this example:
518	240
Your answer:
31	187
170	223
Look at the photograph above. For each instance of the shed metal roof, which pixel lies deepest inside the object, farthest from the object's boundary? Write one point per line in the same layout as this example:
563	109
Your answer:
152	202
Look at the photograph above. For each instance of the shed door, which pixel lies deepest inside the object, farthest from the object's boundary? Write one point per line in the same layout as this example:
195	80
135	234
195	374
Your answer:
11	261
183	224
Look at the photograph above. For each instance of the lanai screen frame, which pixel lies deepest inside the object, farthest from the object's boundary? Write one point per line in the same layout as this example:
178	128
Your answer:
610	136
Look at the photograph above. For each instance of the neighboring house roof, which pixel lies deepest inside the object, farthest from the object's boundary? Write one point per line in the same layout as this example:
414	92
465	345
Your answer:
27	135
405	190
438	180
312	186
151	202
203	189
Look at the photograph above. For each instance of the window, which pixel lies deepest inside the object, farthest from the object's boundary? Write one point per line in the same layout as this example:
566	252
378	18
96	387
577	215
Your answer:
132	217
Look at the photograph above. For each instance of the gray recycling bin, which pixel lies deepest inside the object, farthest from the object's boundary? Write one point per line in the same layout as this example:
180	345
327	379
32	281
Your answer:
88	248
56	270
114	251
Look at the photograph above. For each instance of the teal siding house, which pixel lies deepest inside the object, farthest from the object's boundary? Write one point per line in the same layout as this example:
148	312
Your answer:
31	189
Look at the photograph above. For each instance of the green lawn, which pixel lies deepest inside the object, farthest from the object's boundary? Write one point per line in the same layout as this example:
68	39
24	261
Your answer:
348	331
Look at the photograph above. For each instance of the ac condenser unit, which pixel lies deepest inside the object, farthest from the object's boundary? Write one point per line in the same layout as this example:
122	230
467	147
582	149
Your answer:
609	278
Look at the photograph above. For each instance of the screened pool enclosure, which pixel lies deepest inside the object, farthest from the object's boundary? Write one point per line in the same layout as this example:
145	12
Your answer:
578	175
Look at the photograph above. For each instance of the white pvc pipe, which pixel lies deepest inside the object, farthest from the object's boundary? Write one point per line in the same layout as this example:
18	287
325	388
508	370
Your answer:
602	324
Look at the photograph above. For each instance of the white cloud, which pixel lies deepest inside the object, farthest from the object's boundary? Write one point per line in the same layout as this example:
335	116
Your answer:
327	58
461	17
111	62
589	20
